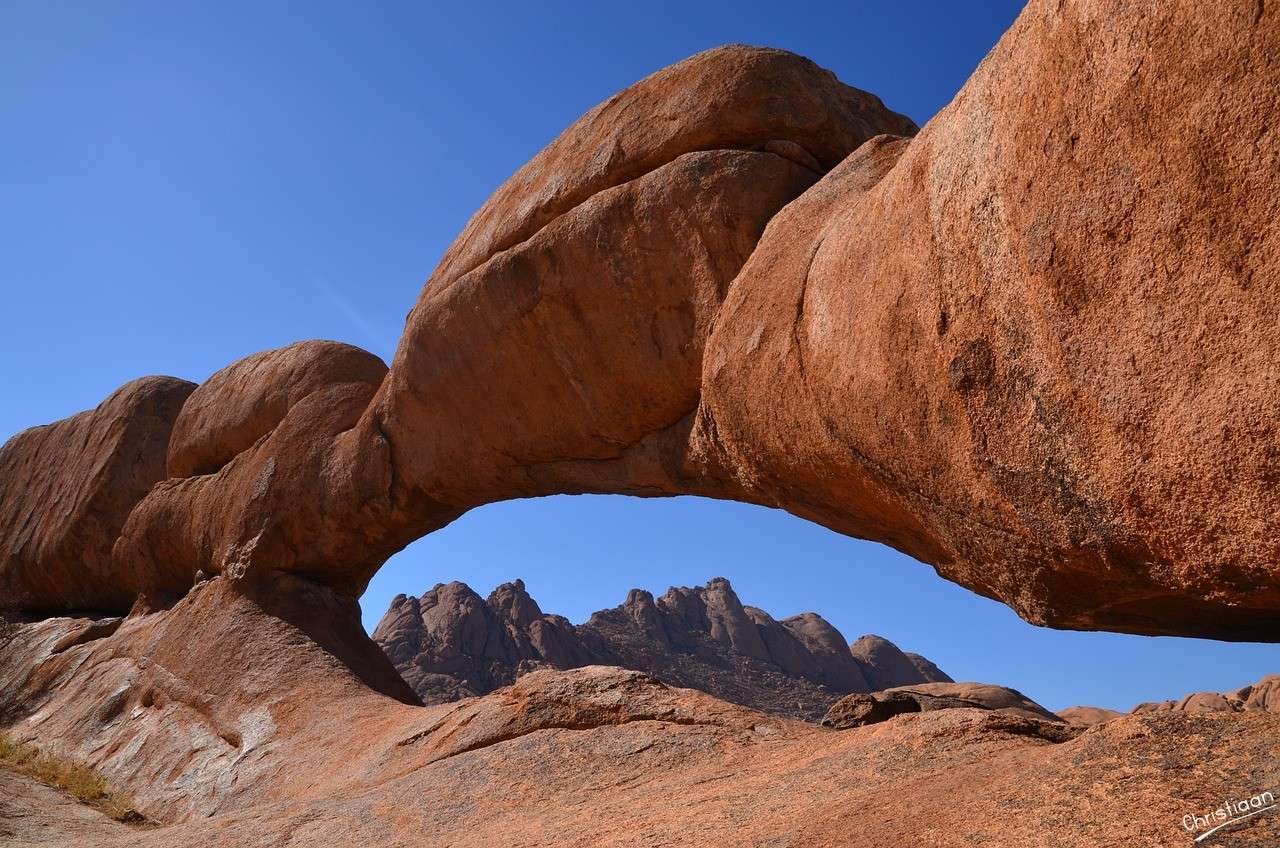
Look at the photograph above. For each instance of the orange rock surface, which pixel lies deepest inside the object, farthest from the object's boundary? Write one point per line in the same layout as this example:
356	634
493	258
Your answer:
235	722
1033	345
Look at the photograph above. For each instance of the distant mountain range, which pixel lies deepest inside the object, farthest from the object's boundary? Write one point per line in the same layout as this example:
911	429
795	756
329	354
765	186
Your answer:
451	644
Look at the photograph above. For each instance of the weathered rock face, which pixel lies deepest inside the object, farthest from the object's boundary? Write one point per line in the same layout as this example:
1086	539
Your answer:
1263	696
731	98
248	399
1033	346
451	644
296	488
860	709
885	666
980	346
66	490
192	708
662	193
1086	716
255	734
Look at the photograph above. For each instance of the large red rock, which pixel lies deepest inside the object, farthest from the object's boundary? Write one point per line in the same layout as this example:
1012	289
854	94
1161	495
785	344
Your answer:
585	290
968	346
246	400
1033	346
66	490
729	98
297	488
594	329
860	708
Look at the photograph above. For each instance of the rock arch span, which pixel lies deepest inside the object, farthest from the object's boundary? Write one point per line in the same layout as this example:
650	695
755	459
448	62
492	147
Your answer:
1032	344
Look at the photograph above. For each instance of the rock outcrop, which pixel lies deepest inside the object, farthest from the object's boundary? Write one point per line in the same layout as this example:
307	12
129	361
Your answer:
740	278
1086	716
450	644
308	495
860	709
644	210
191	707
885	666
66	490
969	343
1263	696
245	401
928	671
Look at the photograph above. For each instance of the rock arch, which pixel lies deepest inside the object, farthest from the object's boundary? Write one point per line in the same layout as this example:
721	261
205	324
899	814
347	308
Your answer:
1032	345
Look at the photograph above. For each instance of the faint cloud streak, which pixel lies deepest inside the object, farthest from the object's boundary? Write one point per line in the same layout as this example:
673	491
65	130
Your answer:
377	341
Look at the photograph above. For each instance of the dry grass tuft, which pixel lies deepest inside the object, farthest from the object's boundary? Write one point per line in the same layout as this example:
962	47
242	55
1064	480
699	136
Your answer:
79	781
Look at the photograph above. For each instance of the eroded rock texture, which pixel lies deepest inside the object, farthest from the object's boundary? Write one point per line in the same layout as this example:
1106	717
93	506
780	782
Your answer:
1263	696
67	488
1036	350
859	708
235	726
1033	346
271	476
450	644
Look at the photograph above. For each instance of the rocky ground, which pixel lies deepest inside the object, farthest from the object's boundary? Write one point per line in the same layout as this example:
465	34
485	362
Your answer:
247	730
450	643
32	814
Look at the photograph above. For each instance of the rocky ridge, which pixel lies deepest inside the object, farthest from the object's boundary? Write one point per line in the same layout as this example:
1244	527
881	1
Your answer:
1262	696
450	643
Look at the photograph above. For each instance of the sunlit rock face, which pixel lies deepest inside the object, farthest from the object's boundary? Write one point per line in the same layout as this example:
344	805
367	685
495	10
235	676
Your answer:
67	488
1032	345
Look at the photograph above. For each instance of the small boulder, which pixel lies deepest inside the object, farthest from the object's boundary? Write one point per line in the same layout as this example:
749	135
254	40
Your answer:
861	709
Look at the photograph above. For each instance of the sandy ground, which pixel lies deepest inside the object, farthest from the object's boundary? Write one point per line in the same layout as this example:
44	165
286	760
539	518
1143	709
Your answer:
34	814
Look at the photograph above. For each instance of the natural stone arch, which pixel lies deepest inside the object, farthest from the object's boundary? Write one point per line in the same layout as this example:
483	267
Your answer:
956	344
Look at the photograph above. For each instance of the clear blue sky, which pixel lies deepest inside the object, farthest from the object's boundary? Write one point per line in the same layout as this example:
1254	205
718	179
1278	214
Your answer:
186	183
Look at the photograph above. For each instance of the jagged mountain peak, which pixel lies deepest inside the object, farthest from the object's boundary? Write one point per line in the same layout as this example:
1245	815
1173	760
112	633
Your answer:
451	643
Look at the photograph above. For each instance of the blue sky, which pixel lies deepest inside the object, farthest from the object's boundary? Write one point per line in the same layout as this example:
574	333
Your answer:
188	183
